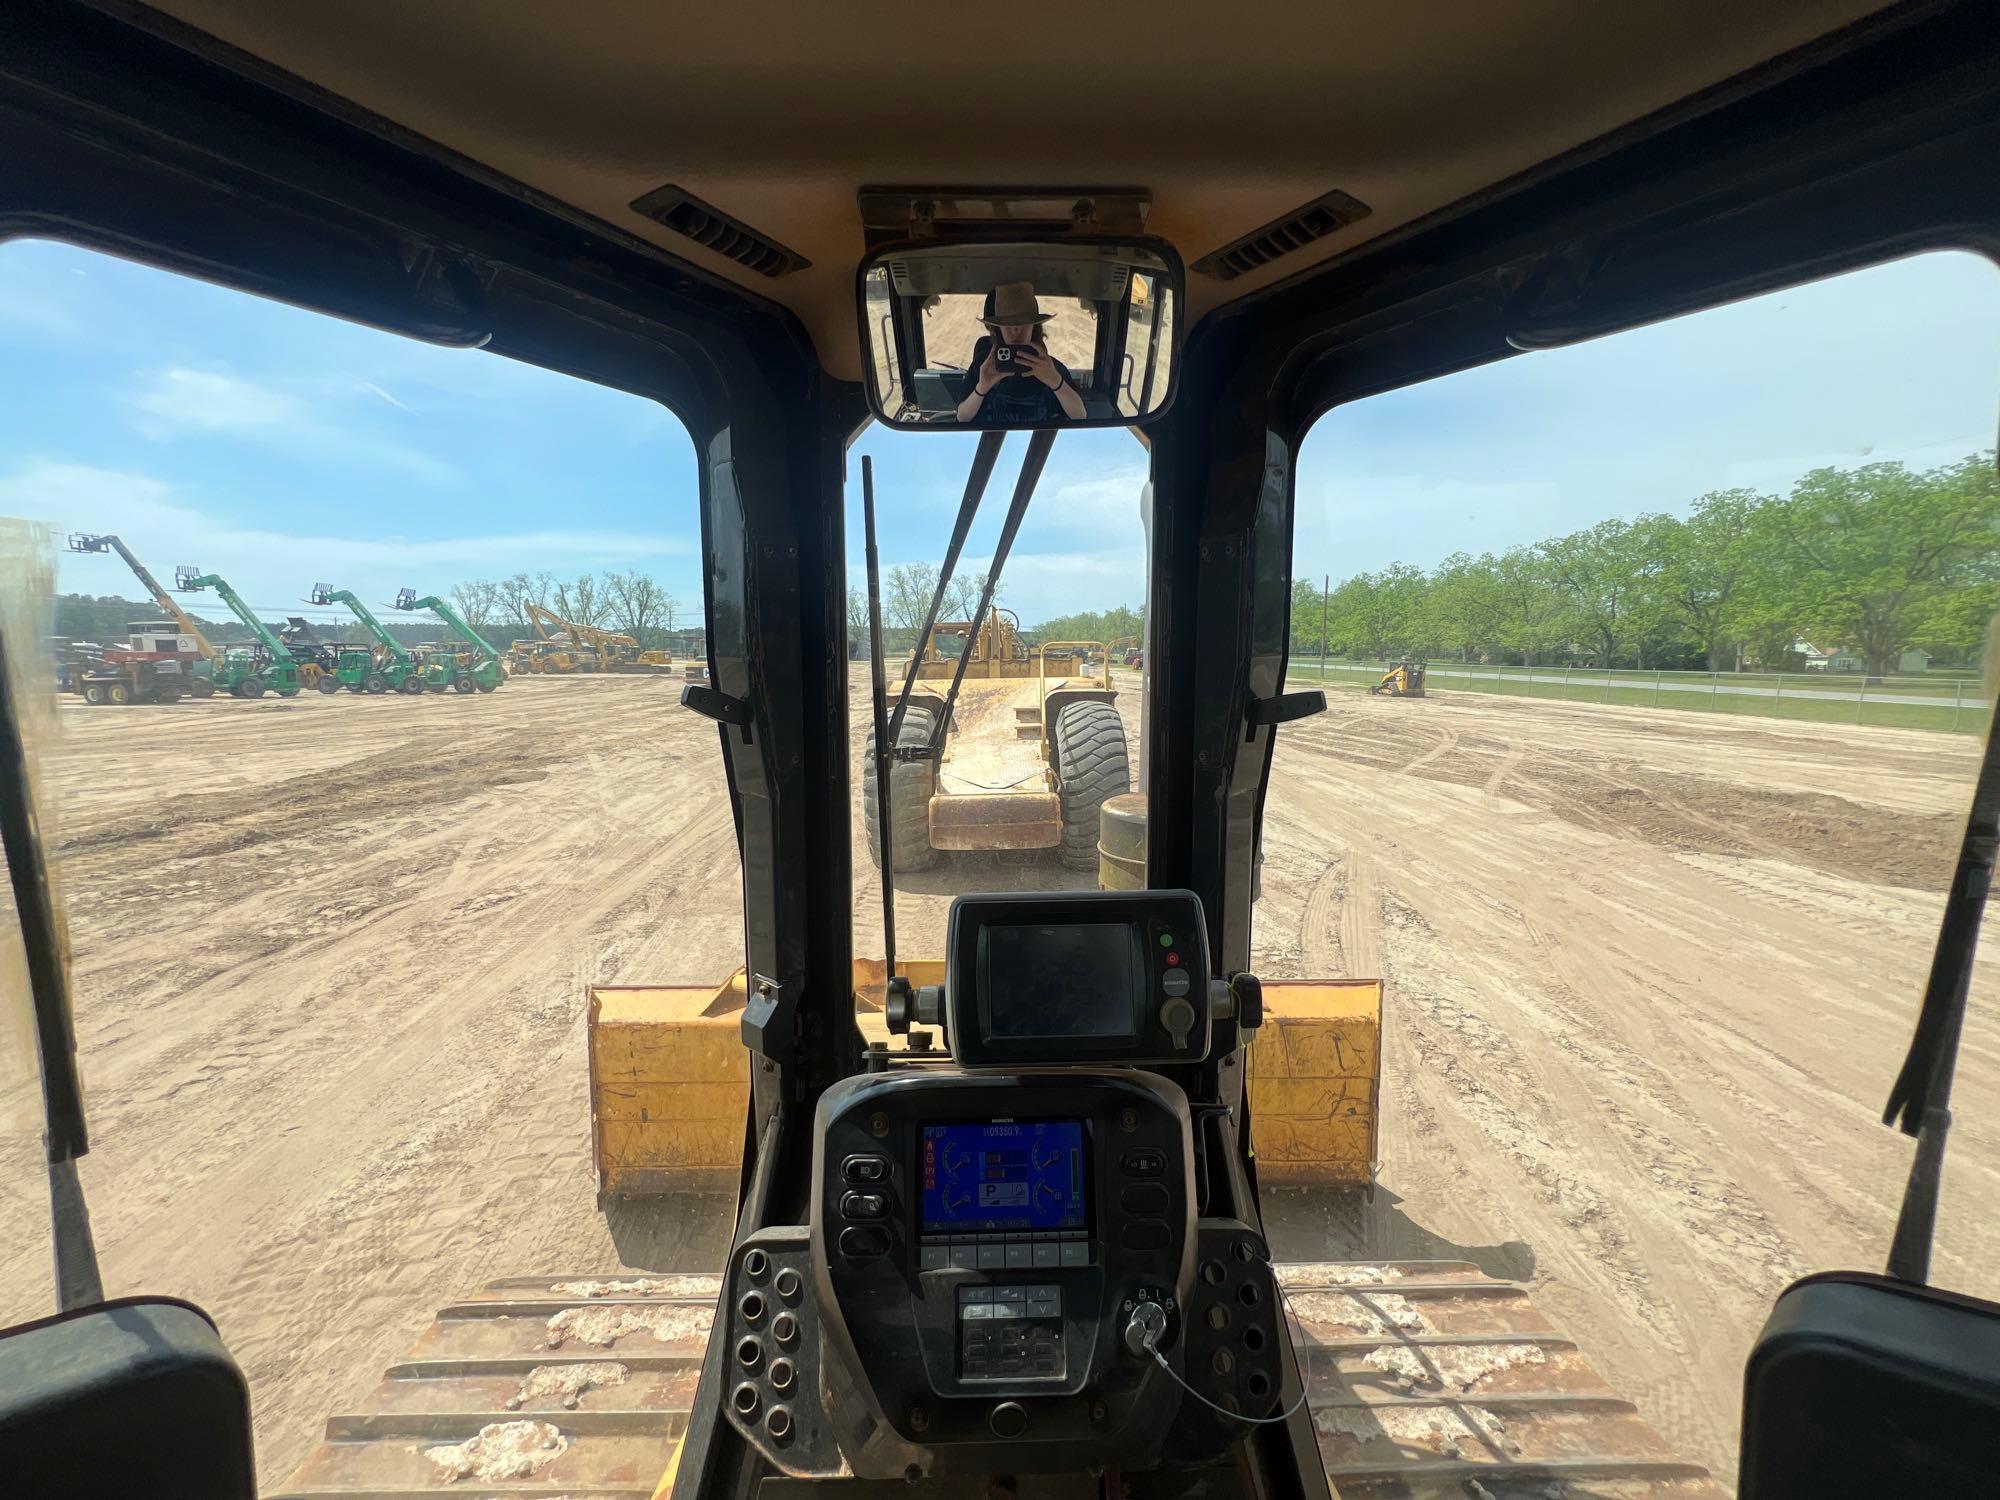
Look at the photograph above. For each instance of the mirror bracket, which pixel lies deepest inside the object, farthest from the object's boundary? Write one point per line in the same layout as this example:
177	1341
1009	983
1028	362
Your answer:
946	213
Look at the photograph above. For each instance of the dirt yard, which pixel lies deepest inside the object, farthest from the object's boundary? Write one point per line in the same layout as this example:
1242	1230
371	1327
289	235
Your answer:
1649	978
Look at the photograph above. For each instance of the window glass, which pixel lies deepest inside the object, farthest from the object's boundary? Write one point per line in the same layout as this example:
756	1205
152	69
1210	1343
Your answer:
1044	727
1653	868
336	907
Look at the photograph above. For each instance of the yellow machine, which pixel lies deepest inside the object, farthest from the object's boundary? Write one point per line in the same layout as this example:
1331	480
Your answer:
1404	680
996	651
1034	747
564	646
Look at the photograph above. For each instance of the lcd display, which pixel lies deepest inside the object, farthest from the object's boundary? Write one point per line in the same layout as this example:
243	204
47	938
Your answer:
981	1176
1061	979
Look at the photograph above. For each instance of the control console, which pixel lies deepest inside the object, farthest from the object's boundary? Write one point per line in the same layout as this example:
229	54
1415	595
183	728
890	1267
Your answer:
1005	1269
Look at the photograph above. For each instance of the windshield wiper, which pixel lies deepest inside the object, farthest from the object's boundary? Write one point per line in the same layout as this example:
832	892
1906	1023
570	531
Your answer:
1920	1102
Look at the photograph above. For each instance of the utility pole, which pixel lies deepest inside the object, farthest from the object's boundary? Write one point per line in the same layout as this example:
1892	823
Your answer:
1325	593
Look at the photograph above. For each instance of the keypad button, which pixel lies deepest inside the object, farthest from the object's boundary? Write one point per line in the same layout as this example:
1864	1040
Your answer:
860	1243
1020	1255
965	1257
933	1257
1044	1310
863	1206
1008	1309
1010	1294
975	1294
1175	983
865	1168
1144	1198
1048	1253
1076	1253
976	1312
1142	1163
992	1257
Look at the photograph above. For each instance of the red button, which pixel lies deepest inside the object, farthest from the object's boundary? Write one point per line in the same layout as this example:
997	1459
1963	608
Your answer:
1173	958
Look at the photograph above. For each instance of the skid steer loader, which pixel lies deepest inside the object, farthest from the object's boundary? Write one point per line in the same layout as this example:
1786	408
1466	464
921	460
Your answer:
1404	680
1002	1219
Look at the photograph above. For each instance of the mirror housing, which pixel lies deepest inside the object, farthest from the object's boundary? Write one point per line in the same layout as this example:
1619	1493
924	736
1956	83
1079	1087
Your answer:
1107	315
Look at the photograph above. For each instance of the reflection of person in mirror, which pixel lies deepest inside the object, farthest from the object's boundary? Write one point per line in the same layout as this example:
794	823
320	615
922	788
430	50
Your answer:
1014	379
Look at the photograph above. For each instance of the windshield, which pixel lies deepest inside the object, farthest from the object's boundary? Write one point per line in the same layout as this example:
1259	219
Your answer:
1657	673
1033	707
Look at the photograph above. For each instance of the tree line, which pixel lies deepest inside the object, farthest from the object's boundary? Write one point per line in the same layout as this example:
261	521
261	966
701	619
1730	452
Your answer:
1878	559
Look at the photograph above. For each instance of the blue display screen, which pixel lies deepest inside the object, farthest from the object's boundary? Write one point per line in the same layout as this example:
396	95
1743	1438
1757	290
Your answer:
984	1176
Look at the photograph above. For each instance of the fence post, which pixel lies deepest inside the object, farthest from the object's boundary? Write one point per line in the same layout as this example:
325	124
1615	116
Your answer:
1861	697
1565	682
1656	687
1607	686
1777	692
1714	683
1957	700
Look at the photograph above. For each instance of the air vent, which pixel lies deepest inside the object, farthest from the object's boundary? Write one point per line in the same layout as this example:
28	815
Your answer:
1297	229
713	229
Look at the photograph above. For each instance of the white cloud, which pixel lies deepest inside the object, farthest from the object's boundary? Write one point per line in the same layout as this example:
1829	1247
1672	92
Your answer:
179	402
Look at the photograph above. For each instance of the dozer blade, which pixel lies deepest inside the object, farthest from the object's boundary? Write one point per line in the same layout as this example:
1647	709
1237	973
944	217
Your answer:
575	1386
1427	1380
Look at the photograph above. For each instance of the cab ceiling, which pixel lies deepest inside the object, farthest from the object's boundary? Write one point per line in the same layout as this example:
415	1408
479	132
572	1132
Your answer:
1231	112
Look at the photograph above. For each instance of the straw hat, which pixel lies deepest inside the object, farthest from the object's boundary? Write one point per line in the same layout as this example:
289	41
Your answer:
1011	304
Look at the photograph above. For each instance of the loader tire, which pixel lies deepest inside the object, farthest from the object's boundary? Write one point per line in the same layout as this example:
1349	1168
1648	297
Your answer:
483	685
374	684
119	693
462	684
250	687
910	786
328	684
1091	766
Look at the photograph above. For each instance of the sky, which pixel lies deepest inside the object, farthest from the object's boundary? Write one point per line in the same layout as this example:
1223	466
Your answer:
282	448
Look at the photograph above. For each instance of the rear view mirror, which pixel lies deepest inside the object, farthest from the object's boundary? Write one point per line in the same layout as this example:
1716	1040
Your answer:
1072	332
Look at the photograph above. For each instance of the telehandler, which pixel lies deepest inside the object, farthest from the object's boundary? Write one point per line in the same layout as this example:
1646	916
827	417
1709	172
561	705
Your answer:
1004	1218
248	671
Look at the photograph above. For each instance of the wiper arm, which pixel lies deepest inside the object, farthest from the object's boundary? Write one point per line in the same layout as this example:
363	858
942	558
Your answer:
975	490
1920	1102
1039	442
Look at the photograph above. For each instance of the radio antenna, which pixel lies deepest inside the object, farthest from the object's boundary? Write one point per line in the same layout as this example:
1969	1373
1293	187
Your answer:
885	753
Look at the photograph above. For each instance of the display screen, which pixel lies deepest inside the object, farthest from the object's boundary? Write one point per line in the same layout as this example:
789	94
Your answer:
981	1176
1060	979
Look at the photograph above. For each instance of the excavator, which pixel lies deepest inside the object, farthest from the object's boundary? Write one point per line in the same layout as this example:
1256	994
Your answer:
388	668
474	668
201	681
243	671
1075	1204
565	646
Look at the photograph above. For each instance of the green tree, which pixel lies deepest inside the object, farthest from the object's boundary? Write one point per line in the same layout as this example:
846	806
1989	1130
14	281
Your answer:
1607	573
1533	615
1882	558
1466	604
1705	569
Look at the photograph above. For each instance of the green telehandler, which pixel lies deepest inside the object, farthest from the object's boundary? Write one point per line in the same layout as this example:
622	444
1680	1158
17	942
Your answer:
391	669
245	671
452	669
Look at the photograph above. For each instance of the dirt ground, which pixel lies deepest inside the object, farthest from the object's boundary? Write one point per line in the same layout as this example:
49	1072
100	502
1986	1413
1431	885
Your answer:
1648	980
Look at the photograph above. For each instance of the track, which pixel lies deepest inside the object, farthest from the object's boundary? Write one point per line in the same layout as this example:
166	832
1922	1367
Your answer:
1648	980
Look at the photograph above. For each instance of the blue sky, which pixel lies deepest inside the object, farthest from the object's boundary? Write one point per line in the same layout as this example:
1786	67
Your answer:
281	448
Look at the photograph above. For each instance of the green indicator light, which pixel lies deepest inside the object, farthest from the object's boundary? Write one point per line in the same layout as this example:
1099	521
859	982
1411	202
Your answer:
1166	940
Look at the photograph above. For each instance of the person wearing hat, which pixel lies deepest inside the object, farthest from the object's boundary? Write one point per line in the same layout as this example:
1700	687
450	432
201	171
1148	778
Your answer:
1028	384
